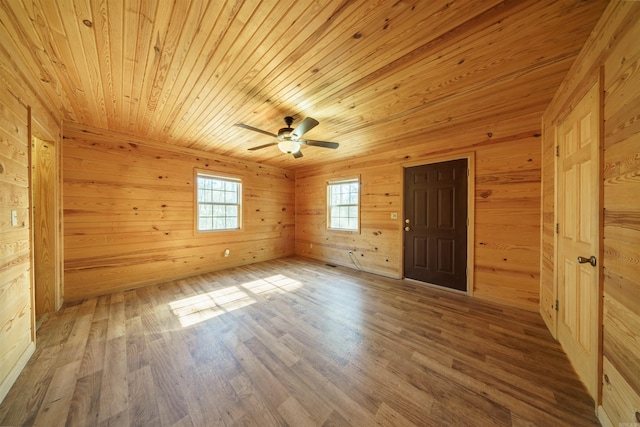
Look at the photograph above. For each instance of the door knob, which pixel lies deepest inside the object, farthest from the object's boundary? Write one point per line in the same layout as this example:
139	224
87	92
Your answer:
407	229
591	260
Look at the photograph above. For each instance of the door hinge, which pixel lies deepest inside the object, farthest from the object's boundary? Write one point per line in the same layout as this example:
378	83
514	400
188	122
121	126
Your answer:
557	151
557	305
557	228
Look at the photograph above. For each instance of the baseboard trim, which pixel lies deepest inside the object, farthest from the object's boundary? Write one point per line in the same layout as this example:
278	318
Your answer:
603	417
14	373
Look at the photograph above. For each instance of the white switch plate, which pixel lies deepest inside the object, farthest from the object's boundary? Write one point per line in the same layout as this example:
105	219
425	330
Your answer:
394	215
14	218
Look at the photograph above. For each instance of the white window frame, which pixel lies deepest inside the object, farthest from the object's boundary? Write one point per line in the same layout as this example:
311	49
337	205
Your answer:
344	205
199	204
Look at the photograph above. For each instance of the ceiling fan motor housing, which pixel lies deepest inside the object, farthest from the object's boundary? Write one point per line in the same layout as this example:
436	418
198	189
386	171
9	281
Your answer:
284	134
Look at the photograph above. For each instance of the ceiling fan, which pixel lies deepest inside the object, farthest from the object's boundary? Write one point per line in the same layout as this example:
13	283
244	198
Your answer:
289	141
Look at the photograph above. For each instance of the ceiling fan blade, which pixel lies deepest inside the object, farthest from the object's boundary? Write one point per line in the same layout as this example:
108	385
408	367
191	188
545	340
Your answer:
263	146
324	144
305	126
297	154
242	125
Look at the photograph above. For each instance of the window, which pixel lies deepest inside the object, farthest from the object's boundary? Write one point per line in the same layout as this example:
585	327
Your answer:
219	203
343	200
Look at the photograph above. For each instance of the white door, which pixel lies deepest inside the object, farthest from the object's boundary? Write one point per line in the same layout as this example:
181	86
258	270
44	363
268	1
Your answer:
578	238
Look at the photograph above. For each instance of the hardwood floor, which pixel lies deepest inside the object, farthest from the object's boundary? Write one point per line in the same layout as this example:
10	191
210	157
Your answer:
295	342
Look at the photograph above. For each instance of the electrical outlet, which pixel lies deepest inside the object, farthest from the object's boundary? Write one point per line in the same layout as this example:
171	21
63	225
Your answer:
226	252
14	218
394	215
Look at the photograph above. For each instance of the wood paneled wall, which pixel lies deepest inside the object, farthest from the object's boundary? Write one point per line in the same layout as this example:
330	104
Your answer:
507	205
614	46
129	213
24	111
16	339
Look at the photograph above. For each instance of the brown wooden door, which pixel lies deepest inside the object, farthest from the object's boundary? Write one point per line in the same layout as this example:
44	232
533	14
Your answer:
578	221
435	242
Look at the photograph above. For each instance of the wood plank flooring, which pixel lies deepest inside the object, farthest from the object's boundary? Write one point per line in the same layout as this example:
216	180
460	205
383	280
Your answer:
295	342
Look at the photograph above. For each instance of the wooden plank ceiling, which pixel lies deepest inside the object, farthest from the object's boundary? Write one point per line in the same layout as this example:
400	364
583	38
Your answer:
374	73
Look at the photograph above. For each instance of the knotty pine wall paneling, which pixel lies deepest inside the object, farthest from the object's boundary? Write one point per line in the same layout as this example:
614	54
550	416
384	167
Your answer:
27	108
16	298
507	206
614	46
129	213
621	309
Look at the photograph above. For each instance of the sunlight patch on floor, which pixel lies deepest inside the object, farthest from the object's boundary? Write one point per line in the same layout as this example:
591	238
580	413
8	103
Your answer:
202	307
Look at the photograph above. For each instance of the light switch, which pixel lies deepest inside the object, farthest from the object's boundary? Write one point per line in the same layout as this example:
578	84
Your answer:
394	215
14	218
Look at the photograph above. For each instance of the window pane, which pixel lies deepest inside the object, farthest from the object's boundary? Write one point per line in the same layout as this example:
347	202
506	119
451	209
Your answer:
218	196
230	197
218	210
206	210
231	211
335	198
353	198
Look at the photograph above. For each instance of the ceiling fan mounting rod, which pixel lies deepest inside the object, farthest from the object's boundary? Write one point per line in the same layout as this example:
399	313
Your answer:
289	121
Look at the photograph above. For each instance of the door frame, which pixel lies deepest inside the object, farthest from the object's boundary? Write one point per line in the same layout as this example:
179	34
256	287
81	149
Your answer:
471	191
577	98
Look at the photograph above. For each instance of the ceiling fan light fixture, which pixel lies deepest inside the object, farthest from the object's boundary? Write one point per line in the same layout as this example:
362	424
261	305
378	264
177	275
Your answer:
289	138
289	147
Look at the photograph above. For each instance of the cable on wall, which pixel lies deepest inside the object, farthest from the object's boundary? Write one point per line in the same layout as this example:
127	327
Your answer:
355	261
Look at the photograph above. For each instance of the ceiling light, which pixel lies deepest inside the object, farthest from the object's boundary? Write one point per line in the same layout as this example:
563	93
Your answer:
289	147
